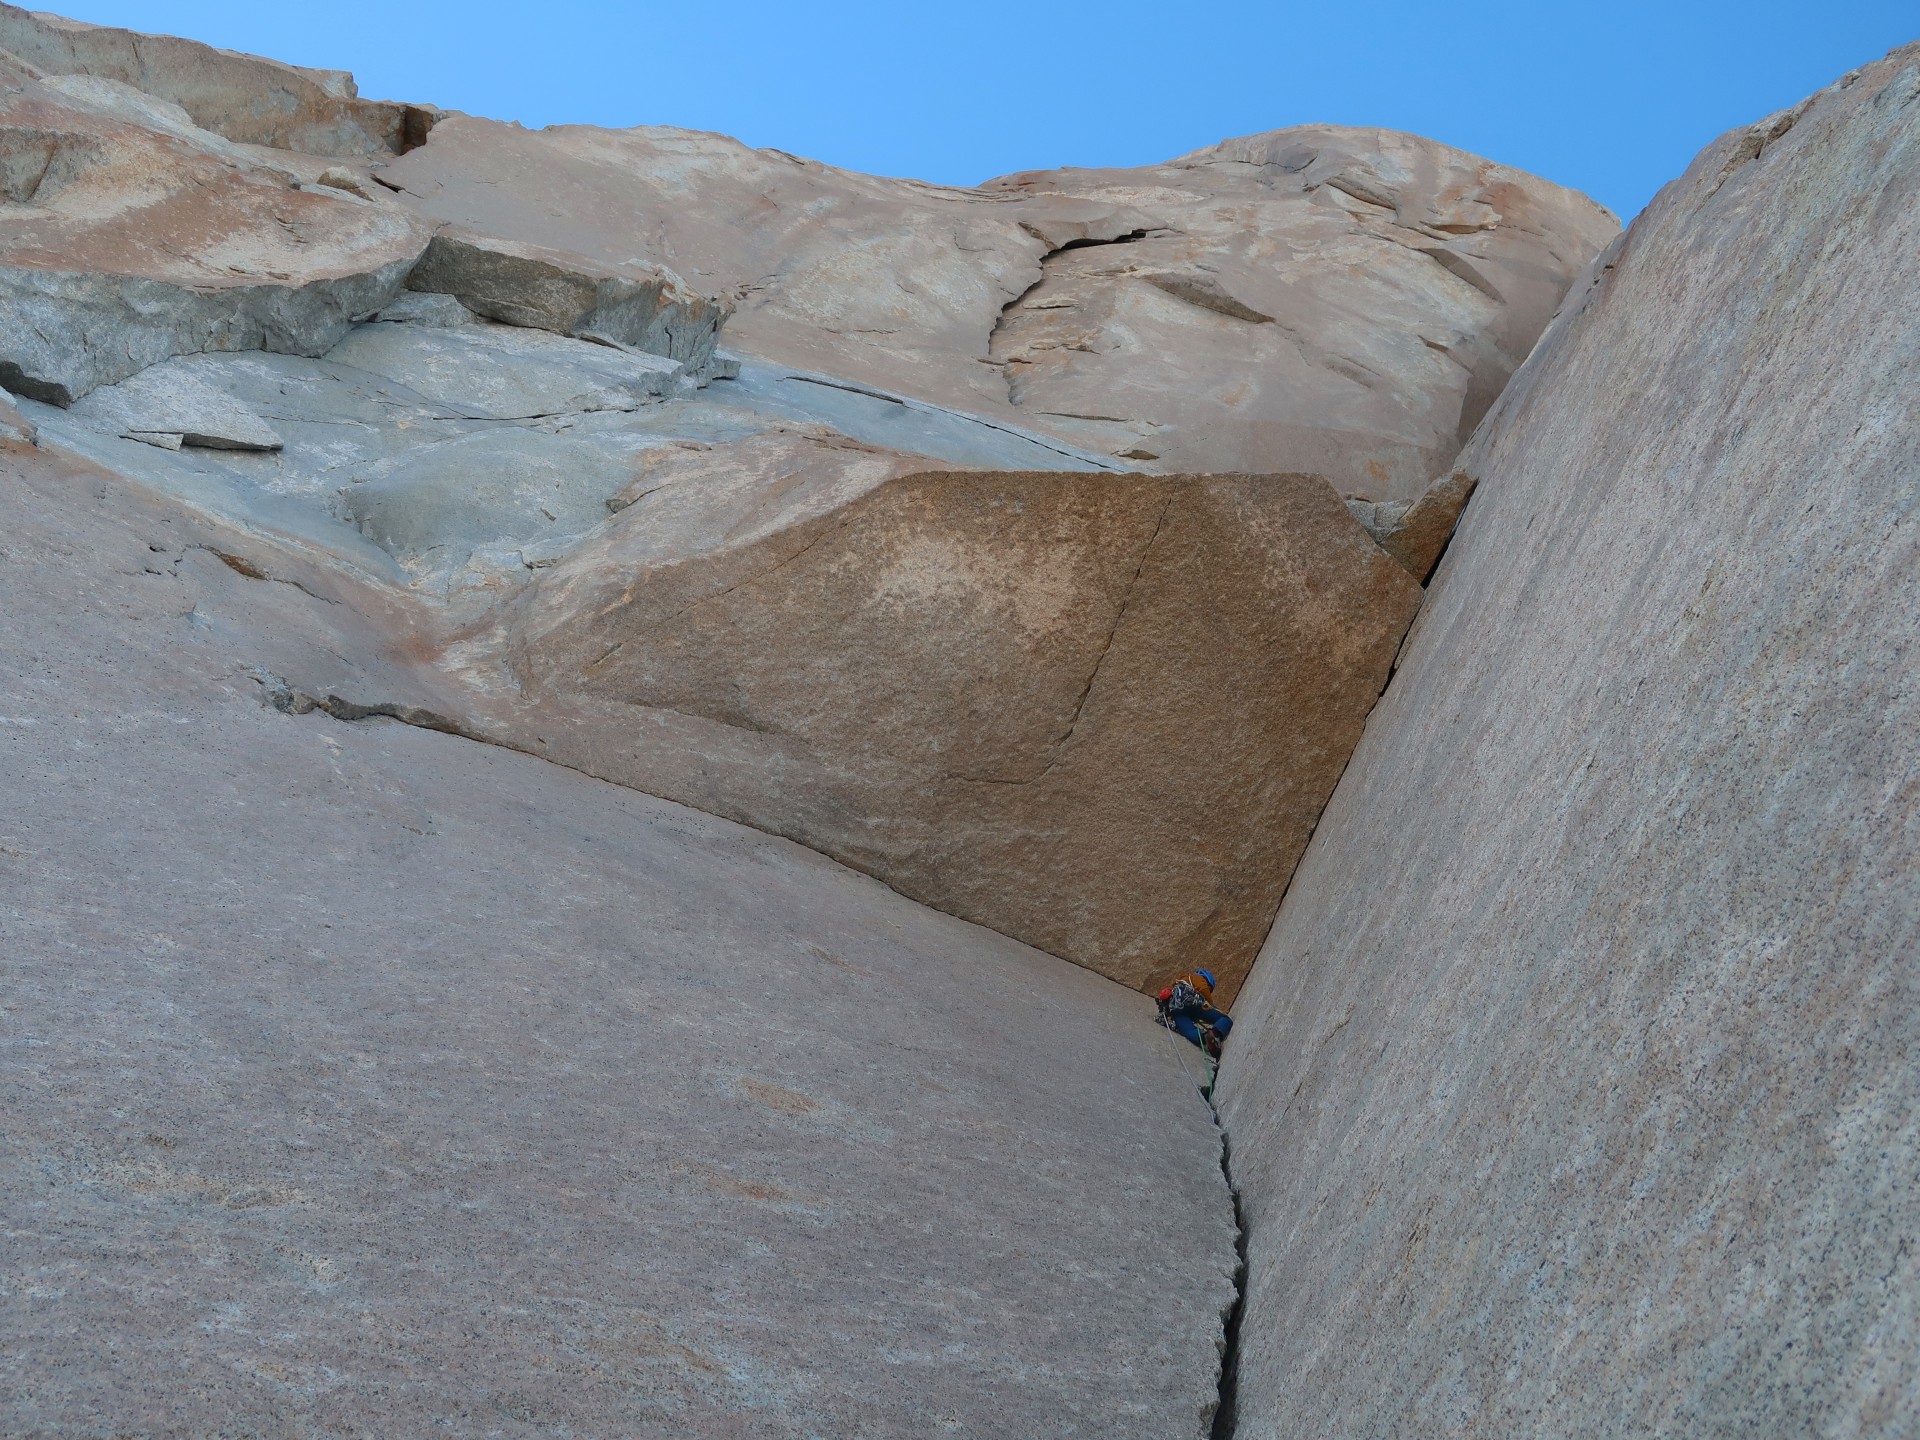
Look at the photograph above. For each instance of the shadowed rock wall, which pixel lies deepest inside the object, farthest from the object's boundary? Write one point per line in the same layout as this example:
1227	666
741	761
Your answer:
1575	1090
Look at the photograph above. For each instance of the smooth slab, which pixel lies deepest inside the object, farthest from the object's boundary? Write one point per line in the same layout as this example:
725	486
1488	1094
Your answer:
1576	1091
361	1079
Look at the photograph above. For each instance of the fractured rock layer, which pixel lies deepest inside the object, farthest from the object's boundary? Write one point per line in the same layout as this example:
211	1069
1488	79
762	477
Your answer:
125	240
243	97
640	307
1575	1091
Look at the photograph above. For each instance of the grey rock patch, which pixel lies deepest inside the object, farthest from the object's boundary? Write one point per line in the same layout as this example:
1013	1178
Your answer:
504	487
899	422
67	333
216	484
504	372
14	425
171	400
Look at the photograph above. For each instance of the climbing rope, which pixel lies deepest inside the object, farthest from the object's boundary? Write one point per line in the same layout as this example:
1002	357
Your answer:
1173	1039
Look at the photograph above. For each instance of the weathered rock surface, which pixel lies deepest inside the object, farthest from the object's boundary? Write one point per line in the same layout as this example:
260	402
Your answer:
1576	1091
126	239
243	97
1101	713
359	1079
1341	301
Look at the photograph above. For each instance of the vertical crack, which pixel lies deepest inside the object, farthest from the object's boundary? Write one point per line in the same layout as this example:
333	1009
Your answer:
1225	1417
1119	617
1226	1409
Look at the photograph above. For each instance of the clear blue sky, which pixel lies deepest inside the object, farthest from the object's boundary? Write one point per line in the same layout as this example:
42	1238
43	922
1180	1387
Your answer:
1612	98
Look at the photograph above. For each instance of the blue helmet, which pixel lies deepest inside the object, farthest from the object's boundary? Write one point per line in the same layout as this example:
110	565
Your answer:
1207	975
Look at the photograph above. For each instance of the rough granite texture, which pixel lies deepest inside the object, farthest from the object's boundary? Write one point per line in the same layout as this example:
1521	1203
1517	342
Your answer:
357	1080
1577	1090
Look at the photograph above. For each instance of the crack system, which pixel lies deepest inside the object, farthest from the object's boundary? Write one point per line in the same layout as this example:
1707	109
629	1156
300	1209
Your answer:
1006	310
1226	1406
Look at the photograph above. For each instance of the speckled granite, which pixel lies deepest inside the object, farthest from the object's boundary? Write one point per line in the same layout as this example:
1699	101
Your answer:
359	1080
1577	1090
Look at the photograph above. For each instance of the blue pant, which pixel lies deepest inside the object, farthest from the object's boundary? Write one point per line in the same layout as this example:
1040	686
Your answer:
1188	1022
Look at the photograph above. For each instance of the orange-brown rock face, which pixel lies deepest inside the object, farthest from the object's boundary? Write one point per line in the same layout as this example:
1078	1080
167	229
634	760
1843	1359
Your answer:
1342	301
1100	713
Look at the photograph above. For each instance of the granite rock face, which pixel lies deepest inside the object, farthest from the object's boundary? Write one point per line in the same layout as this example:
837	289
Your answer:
1100	713
1339	301
128	236
360	1079
1575	1091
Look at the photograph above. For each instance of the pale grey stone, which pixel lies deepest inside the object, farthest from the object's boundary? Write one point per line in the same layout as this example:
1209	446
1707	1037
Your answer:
14	425
171	399
504	372
511	486
1577	1090
899	422
64	333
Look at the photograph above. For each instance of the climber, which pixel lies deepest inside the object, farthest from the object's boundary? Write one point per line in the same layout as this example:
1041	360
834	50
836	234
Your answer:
1186	1007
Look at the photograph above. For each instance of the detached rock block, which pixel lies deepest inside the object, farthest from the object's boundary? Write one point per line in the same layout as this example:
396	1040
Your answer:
635	307
169	406
1420	535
